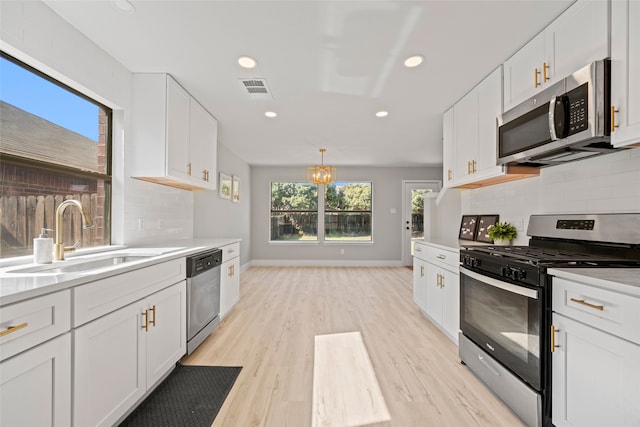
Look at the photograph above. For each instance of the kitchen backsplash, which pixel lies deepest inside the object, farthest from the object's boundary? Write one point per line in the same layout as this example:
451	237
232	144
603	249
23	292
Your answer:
605	184
156	213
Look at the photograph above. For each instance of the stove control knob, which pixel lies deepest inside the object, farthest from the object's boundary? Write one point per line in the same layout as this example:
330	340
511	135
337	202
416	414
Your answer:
470	261
505	272
516	273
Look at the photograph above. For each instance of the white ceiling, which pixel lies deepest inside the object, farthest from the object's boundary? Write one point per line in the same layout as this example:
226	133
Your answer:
330	65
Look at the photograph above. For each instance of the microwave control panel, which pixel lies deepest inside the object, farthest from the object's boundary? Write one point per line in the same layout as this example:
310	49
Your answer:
578	109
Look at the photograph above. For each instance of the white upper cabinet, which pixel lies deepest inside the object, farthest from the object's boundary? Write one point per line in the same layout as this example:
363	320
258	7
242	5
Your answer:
576	38
469	138
174	138
204	130
448	142
178	130
466	134
522	72
625	72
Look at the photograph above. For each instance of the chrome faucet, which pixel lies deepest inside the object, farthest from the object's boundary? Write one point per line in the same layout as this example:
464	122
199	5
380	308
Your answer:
59	248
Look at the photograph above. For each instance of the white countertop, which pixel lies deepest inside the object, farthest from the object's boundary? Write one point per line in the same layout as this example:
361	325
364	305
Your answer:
625	280
449	244
15	287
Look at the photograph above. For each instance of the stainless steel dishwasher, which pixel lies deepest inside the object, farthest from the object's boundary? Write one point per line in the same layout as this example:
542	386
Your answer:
203	296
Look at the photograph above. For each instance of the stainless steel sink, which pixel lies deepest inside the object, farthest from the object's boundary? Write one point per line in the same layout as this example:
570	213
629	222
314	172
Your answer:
78	266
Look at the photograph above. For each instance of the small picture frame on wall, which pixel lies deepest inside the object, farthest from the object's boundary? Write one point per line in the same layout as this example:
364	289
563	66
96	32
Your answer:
484	223
468	227
235	190
224	186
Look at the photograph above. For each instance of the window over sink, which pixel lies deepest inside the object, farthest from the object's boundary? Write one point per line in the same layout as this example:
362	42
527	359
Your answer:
55	144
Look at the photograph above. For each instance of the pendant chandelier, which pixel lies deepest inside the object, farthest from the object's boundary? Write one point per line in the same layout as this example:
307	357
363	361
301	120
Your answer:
321	174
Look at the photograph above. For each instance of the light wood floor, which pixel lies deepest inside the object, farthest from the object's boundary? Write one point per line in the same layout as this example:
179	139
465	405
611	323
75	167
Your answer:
271	330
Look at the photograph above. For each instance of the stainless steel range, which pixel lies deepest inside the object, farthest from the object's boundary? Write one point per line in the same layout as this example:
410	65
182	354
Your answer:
505	301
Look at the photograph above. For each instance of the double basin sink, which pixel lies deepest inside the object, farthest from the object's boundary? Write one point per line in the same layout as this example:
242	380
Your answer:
90	263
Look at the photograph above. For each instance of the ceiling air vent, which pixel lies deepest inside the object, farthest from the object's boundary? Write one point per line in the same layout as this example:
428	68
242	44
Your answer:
256	88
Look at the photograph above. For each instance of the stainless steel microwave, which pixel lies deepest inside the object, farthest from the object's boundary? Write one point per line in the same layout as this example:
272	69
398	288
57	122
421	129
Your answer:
570	120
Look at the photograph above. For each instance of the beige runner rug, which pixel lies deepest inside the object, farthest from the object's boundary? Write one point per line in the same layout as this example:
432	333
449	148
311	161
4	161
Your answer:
345	387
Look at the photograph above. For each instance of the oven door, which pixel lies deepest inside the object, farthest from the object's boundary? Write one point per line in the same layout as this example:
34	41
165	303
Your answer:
504	319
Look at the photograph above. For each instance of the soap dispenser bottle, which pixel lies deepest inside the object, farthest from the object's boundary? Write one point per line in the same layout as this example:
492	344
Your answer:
43	248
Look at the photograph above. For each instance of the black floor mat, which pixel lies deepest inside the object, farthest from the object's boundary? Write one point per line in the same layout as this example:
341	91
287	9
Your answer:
189	396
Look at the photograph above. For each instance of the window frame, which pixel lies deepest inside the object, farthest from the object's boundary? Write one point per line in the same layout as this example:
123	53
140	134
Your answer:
106	177
321	240
316	241
347	241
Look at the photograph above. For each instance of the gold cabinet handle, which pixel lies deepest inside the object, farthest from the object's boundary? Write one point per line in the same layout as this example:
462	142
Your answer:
441	256
153	321
146	321
189	168
468	168
613	118
422	271
583	302
473	166
231	270
204	175
536	74
448	174
12	329
545	76
553	338
442	280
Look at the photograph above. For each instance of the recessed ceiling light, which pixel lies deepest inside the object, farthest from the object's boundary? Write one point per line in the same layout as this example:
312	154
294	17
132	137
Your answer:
413	61
271	114
124	5
382	114
246	62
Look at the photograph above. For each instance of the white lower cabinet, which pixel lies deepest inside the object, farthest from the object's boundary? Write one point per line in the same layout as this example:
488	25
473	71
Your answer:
420	283
35	386
596	377
436	286
443	299
229	278
119	356
595	353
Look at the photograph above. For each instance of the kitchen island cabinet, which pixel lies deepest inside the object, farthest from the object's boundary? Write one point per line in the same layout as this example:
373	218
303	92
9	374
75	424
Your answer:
595	347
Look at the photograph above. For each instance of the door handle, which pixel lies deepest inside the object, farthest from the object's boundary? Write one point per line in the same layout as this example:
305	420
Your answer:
146	321
553	338
153	321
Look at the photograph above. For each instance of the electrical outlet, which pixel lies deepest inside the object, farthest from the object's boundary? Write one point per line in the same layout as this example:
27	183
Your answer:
341	251
140	223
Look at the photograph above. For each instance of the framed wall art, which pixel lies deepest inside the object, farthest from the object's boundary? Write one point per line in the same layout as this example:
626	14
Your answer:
235	190
468	227
224	186
484	223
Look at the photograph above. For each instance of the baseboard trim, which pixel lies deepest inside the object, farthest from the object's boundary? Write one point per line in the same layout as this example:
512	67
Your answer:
323	263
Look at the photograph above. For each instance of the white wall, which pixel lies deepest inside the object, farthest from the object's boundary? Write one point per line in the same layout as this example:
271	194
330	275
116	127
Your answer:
606	184
216	217
33	33
387	227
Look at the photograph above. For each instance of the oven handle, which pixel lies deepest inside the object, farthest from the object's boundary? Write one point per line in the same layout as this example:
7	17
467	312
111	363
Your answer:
520	290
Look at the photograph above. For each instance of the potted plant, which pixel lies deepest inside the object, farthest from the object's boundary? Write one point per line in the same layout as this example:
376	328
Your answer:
502	233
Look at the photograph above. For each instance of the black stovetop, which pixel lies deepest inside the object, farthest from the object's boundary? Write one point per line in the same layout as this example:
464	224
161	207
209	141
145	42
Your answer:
550	256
